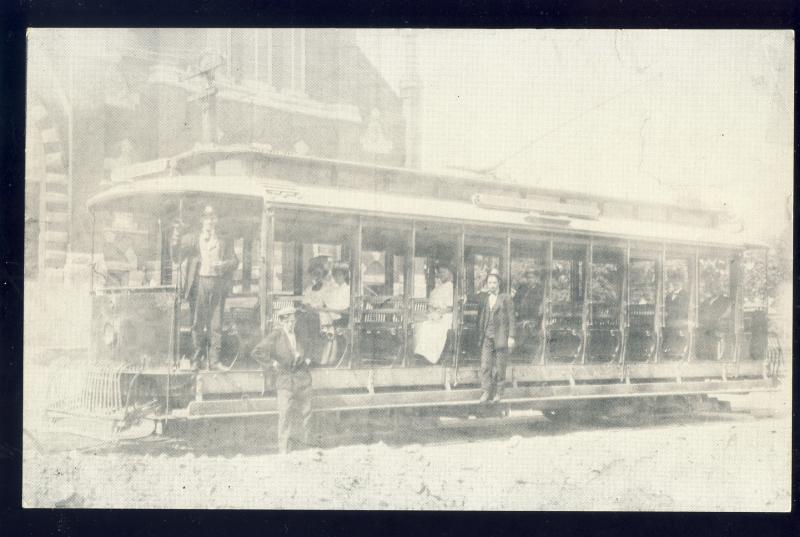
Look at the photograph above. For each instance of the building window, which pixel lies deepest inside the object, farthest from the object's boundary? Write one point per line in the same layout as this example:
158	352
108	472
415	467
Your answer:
263	56
298	60
273	57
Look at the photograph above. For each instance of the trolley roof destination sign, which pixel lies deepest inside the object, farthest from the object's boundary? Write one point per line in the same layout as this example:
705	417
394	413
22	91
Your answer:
493	201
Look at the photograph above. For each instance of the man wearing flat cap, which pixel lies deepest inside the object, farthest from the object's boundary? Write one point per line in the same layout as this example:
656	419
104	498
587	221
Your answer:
496	331
282	351
207	278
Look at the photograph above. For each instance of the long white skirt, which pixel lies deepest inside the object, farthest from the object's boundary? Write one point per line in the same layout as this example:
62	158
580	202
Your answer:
430	336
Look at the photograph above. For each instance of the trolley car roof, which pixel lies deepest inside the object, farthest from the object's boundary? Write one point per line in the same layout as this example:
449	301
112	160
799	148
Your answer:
379	204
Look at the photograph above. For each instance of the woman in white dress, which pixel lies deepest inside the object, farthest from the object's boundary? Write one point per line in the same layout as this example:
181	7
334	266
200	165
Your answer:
335	305
430	335
309	319
335	295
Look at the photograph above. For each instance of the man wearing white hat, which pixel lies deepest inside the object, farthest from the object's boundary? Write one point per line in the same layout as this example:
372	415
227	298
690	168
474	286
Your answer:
207	279
282	351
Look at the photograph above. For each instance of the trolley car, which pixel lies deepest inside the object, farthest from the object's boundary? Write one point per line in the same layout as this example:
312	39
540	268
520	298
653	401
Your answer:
635	299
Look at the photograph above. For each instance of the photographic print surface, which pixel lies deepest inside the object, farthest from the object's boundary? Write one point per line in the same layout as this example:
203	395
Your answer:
288	268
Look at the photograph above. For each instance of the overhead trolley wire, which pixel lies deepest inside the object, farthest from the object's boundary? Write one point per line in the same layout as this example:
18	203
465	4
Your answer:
563	124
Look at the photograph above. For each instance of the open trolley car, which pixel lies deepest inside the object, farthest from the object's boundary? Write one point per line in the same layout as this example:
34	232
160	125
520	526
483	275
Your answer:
628	299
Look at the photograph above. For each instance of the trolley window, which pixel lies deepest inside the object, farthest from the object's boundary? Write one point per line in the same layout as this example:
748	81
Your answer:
481	255
641	306
568	275
715	310
677	290
753	278
528	273
383	256
642	282
306	249
434	279
128	249
607	277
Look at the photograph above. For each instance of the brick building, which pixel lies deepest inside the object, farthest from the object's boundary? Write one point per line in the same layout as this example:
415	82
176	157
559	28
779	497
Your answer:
99	100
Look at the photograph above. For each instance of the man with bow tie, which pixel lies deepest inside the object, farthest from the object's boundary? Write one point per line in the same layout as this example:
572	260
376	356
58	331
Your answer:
496	332
210	261
282	351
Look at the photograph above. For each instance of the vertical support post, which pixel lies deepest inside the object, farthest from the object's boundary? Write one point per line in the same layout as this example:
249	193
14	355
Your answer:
163	254
586	318
408	294
658	319
507	262
694	303
247	259
41	263
765	349
458	302
179	291
355	288
388	273
547	301
624	300
267	268
737	294
165	260
766	284
298	266
39	274
91	260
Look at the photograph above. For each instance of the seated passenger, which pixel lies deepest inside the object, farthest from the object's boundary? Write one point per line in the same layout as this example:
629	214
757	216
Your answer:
528	298
676	305
335	295
430	335
713	311
711	319
334	314
319	271
308	324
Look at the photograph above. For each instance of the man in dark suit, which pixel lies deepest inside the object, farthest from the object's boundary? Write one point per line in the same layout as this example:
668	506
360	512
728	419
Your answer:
676	305
496	331
713	320
207	278
676	322
282	350
528	299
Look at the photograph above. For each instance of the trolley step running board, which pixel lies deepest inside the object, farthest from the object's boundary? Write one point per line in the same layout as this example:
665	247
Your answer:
432	398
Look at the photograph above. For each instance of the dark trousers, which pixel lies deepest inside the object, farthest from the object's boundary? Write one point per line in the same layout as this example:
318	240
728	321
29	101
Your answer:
294	409
493	367
307	329
207	322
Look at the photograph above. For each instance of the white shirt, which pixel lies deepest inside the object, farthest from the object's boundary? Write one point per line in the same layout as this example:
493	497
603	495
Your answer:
292	341
492	300
210	254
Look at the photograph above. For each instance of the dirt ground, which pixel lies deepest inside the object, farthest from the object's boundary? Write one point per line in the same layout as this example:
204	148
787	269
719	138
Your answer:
728	462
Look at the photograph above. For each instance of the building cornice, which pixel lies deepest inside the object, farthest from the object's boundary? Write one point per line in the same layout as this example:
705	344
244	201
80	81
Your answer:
261	95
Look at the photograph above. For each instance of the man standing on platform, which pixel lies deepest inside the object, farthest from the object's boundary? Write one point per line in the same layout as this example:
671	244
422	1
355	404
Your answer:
282	351
207	280
496	331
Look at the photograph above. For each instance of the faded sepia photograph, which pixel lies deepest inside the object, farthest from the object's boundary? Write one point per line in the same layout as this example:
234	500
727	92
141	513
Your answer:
408	269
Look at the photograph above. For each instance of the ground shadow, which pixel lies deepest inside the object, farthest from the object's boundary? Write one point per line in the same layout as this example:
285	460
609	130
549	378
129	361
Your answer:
257	436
